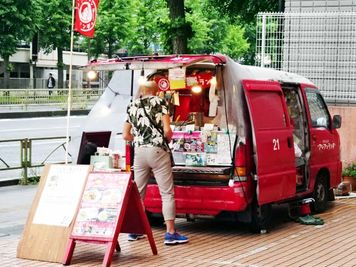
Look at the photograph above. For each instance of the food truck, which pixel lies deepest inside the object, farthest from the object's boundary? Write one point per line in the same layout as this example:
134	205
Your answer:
244	137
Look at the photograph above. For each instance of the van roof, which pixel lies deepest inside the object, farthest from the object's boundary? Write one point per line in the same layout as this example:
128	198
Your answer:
173	61
154	62
259	73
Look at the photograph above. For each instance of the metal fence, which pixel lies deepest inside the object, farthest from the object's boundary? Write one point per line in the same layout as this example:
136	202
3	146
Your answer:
24	98
28	165
41	83
319	46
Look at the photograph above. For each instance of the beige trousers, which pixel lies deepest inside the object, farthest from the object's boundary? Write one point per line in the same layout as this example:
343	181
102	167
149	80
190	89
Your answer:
157	160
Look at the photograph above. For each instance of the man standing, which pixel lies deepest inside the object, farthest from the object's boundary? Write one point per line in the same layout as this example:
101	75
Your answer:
151	153
51	83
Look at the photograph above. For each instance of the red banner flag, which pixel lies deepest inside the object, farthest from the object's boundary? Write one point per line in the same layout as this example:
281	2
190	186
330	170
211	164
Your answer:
85	16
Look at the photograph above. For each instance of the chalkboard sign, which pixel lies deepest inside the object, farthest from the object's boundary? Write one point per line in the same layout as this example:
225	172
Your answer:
110	205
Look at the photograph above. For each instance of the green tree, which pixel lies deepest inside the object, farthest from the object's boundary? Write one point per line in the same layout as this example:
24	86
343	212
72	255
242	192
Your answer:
214	32
147	18
56	31
234	44
19	20
245	11
113	27
179	30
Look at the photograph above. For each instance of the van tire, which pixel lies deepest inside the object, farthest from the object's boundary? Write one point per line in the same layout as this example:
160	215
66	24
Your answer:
320	194
260	217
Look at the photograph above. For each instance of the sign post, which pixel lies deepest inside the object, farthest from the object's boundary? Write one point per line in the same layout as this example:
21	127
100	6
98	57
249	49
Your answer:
52	212
110	205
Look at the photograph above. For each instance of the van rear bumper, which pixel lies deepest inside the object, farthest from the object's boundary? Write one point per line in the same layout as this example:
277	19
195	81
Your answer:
202	200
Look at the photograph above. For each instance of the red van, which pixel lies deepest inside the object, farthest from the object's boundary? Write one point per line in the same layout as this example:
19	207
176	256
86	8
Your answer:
244	137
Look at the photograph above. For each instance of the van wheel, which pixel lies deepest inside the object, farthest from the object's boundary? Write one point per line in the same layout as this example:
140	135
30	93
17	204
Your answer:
260	217
320	194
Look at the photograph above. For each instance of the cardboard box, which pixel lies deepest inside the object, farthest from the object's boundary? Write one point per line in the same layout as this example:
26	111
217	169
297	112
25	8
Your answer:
101	162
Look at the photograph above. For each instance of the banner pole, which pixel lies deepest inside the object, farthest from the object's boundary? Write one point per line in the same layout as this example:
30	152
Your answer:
69	100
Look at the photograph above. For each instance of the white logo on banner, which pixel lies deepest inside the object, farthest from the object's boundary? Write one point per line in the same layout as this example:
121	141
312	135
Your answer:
87	14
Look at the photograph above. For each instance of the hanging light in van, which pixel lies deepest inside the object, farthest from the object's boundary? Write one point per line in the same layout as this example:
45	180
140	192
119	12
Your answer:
142	79
91	75
196	89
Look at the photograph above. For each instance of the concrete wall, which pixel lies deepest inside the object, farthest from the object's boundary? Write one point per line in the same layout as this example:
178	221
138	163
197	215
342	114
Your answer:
347	132
319	5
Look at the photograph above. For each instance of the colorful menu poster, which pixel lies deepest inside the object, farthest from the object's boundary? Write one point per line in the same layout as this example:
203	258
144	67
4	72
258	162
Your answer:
101	205
193	142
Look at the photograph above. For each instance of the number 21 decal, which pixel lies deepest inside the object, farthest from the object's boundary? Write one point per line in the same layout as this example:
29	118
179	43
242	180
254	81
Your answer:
276	144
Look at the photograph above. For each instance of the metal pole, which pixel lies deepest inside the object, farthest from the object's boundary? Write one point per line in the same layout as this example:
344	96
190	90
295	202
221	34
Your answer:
263	44
70	83
24	155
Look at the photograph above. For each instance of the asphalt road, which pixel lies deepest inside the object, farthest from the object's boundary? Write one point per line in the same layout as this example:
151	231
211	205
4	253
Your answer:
13	129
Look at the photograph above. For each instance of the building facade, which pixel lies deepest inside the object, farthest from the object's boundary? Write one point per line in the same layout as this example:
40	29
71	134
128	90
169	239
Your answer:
320	5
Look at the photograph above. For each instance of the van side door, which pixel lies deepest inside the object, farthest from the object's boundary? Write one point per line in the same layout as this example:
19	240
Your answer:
324	140
272	140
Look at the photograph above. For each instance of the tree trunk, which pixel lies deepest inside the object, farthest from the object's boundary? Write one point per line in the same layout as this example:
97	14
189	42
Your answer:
60	66
110	52
6	72
179	38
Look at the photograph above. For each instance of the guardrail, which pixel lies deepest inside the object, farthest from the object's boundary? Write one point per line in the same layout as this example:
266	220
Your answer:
81	98
25	164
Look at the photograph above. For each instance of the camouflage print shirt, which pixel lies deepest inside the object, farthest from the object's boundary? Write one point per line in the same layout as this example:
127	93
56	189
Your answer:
145	134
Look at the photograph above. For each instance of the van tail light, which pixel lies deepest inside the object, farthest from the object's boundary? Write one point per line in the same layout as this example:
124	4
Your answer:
128	161
240	161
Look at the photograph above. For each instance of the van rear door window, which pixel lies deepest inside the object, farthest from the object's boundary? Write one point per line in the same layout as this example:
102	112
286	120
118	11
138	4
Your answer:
269	111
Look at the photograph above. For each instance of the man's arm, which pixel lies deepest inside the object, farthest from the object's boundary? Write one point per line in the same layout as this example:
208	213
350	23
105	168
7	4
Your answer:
126	132
167	127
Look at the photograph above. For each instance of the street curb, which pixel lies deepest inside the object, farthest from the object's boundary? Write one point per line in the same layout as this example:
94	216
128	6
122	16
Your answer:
30	114
9	182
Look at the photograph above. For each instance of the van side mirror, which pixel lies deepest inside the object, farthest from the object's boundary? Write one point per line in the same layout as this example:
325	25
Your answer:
336	121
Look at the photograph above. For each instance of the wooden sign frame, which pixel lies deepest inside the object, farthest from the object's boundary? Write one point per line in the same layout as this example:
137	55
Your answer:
44	237
110	205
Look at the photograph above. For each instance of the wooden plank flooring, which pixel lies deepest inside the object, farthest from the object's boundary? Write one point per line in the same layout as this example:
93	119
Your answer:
215	243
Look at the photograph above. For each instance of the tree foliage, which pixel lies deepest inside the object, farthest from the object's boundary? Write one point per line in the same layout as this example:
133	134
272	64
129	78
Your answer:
148	16
55	30
214	32
140	26
19	20
113	27
245	12
246	9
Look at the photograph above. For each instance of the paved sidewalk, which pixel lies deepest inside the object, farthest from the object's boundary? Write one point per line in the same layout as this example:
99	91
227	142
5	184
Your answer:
15	204
212	243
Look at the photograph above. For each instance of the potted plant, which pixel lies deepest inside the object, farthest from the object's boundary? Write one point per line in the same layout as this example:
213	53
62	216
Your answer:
349	175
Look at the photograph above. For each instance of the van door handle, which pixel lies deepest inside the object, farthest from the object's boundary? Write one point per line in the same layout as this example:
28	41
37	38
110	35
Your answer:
289	141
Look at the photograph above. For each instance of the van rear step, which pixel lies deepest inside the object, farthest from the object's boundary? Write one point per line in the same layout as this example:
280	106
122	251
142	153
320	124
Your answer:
202	170
201	175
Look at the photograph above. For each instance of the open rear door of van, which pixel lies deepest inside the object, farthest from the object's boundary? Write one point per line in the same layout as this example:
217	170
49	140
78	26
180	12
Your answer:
273	141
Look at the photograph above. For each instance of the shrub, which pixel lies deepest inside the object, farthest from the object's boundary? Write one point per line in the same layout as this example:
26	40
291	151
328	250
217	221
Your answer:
350	170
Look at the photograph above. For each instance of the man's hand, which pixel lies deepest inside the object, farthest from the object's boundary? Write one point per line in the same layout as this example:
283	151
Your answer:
126	132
